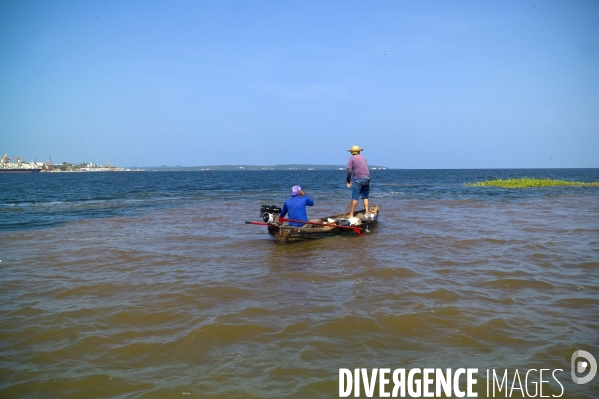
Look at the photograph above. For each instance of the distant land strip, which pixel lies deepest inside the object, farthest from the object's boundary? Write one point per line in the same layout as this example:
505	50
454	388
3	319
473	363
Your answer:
251	167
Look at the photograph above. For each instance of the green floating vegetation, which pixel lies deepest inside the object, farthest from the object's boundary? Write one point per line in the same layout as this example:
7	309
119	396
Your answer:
525	182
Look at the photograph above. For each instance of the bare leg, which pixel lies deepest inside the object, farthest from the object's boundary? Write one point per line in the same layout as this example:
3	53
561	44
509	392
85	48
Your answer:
366	206
353	208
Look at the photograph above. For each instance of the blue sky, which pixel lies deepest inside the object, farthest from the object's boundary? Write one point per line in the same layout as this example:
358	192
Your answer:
418	84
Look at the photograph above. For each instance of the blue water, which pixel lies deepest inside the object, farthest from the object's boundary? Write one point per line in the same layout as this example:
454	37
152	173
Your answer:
46	199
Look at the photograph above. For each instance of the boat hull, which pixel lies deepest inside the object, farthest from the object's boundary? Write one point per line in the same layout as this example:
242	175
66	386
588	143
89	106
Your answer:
288	234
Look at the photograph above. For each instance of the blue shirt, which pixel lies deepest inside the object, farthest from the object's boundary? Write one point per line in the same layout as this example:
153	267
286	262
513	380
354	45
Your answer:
296	206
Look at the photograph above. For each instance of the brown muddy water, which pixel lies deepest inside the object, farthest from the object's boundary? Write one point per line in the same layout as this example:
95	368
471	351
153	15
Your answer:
150	292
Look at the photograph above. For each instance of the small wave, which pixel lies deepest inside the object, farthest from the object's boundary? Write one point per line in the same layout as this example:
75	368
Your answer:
519	284
31	204
496	331
443	295
84	384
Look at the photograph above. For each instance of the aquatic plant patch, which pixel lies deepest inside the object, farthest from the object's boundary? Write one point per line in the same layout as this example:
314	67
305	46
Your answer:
526	182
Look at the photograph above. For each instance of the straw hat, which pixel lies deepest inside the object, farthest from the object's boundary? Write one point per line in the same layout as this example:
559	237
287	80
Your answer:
355	148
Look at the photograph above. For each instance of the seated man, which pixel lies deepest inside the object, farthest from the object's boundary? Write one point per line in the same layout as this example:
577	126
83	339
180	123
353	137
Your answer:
296	206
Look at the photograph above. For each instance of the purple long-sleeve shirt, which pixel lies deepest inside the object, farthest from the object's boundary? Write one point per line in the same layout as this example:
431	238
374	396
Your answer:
358	165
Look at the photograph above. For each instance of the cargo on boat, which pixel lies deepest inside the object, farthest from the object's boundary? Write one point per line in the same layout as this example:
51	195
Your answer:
315	229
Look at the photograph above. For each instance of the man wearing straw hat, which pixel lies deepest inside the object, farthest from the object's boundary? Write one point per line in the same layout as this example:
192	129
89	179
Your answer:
361	186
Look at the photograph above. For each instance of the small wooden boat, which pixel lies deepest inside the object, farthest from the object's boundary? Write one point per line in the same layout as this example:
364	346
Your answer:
321	228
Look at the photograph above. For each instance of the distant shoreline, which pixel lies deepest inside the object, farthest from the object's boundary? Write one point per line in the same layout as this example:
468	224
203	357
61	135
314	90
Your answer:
280	168
215	168
248	167
164	168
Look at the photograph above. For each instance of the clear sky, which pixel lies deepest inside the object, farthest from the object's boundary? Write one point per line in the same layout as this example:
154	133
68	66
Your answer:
418	84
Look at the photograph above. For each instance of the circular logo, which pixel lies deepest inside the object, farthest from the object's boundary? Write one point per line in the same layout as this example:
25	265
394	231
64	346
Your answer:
582	366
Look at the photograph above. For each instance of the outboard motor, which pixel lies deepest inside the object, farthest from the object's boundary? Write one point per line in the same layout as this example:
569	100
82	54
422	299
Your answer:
270	213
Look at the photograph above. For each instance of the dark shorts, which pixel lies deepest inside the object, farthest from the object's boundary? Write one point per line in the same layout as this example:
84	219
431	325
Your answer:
360	187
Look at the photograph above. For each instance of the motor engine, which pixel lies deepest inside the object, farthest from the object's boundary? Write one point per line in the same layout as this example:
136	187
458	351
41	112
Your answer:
270	213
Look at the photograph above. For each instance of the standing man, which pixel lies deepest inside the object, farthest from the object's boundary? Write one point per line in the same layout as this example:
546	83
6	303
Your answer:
361	186
296	206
